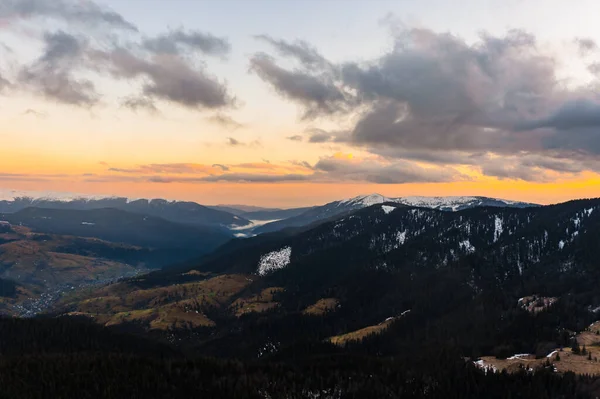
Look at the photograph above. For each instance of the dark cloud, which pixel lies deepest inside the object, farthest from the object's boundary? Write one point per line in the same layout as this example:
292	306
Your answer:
82	12
320	136
169	78
179	41
295	138
581	113
53	73
316	93
225	121
306	54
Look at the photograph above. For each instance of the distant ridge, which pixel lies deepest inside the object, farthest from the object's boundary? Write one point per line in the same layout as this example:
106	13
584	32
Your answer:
453	203
186	212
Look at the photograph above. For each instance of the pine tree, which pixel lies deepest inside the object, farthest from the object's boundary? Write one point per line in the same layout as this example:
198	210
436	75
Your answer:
589	355
575	347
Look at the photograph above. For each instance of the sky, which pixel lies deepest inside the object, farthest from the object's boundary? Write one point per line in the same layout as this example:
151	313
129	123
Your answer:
291	103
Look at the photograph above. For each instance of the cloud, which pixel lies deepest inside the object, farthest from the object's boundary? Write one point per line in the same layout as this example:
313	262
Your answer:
225	121
295	138
166	67
139	103
33	112
439	99
571	115
236	143
317	94
169	78
85	13
320	136
4	83
233	142
306	54
168	168
224	168
254	178
52	73
31	177
179	41
373	171
586	45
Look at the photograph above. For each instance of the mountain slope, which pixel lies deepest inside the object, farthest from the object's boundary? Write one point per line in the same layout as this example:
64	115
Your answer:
339	207
460	274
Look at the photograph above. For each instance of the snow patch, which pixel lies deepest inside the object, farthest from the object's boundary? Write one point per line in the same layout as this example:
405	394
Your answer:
387	209
561	244
274	261
589	211
498	228
552	354
466	246
401	237
518	356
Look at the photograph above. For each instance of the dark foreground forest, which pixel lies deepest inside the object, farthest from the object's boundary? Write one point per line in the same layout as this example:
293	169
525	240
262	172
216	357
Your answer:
73	358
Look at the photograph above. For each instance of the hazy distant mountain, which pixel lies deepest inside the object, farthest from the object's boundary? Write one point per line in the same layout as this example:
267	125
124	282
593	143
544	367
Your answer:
12	201
339	207
240	209
120	226
275	214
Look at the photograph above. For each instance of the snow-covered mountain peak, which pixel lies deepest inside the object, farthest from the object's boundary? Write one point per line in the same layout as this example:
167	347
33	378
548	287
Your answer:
365	200
450	203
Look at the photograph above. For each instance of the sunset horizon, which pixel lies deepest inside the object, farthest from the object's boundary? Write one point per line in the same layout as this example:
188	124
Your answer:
104	100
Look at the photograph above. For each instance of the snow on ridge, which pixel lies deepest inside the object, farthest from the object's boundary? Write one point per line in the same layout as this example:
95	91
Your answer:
450	202
273	261
366	200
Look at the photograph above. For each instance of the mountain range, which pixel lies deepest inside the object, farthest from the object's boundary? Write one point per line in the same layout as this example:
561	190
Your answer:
425	294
